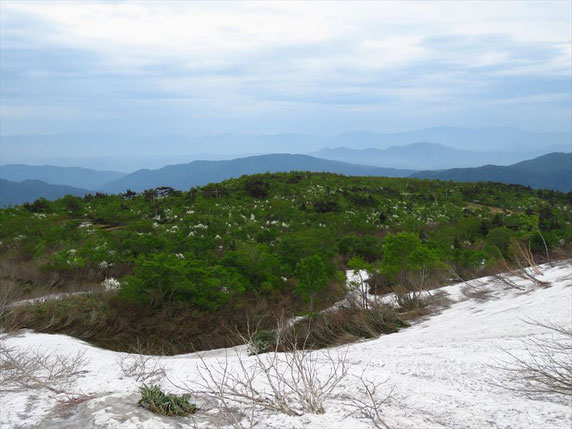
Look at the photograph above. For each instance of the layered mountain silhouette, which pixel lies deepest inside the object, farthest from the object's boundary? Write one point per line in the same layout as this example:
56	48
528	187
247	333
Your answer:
197	173
423	156
130	152
14	193
70	176
550	171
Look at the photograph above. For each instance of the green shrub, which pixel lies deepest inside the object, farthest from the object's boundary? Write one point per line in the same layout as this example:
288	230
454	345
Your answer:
165	404
312	278
500	237
256	263
256	187
310	241
367	247
165	278
264	341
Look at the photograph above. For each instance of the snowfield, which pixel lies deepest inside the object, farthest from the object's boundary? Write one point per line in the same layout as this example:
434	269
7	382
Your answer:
442	372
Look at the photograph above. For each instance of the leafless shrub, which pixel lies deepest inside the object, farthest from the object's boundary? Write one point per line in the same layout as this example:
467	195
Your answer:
35	369
141	366
8	294
438	300
522	257
293	383
71	401
340	326
506	280
370	406
547	366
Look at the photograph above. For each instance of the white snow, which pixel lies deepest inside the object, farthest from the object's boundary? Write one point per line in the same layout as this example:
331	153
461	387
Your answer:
443	371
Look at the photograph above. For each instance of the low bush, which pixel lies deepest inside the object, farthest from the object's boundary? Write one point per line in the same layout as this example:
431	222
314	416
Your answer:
264	341
165	404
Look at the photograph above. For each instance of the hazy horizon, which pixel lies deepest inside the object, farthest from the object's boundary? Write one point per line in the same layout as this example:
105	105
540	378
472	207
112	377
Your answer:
114	152
127	85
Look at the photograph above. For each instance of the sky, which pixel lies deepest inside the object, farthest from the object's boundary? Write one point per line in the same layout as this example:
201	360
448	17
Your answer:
199	68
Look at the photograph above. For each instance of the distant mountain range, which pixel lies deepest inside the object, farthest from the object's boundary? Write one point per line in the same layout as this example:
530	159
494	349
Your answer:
422	156
510	139
197	173
71	176
128	152
551	171
14	193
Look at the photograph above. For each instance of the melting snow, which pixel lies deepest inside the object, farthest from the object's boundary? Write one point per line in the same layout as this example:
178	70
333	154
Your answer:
443	371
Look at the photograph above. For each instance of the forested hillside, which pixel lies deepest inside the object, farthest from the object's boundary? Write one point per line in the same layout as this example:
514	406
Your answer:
179	266
550	171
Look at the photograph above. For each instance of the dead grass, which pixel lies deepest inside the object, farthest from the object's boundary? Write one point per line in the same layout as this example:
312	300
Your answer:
29	280
493	210
109	322
342	326
480	294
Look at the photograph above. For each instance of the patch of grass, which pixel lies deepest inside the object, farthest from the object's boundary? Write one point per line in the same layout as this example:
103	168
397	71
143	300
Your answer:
165	404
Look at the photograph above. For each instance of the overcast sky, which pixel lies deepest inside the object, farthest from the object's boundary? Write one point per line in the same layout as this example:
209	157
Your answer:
176	67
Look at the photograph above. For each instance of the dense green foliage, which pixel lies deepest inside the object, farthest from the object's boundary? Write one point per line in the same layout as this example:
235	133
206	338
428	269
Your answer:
312	278
281	233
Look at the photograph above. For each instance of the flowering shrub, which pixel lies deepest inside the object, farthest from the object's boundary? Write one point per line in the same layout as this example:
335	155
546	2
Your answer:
111	285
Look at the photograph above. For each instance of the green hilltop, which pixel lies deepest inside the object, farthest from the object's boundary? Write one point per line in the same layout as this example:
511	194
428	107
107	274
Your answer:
179	266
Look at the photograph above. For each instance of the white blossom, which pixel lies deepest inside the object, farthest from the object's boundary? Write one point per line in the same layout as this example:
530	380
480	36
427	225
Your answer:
111	284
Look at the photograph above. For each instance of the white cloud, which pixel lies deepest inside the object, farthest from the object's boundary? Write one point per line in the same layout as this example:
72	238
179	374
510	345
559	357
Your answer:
216	33
229	58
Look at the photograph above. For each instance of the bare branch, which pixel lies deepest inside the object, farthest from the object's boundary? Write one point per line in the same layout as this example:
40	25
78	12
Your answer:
35	369
547	366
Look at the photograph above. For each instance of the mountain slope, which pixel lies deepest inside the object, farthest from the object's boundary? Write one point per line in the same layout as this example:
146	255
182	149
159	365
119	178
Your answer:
13	193
196	173
450	368
551	171
70	176
422	156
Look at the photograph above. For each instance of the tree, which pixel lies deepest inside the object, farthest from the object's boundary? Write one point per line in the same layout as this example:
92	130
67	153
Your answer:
532	223
312	278
396	251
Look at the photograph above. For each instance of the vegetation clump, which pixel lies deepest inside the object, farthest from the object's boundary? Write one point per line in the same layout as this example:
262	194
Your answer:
165	404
